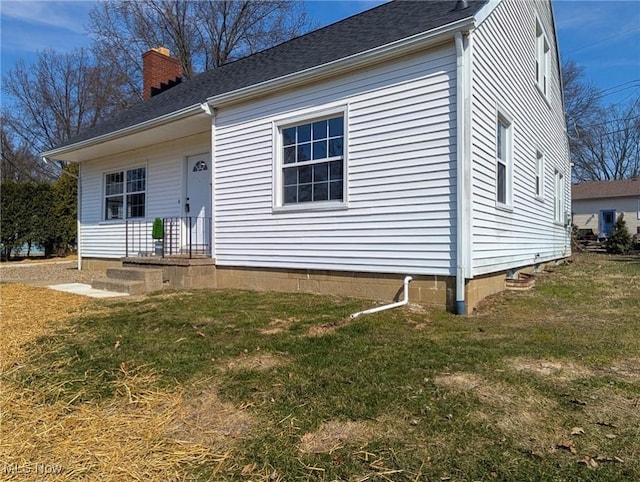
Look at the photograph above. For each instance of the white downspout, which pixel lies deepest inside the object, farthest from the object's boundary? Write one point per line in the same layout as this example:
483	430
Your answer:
78	219
461	308
404	301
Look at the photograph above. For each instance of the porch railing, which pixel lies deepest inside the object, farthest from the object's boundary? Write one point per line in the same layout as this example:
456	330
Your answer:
186	237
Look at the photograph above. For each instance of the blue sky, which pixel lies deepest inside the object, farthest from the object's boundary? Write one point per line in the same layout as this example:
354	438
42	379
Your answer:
601	35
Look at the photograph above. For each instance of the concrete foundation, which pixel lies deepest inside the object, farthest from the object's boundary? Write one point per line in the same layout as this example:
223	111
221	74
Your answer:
435	291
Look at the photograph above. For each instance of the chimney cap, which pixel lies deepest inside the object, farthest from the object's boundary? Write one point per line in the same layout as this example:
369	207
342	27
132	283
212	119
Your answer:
162	50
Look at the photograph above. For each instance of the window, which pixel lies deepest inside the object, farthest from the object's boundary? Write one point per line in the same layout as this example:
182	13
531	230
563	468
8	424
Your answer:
539	187
558	198
312	161
125	194
542	59
503	161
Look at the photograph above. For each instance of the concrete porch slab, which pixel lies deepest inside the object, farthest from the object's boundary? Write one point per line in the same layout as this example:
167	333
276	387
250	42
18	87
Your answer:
85	290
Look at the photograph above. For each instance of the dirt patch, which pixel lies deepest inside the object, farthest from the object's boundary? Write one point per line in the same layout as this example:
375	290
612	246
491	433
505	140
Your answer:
326	328
628	369
276	325
333	435
560	370
205	419
257	361
524	414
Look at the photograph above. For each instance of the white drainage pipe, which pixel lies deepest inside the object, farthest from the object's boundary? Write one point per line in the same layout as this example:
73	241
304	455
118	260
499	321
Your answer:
405	300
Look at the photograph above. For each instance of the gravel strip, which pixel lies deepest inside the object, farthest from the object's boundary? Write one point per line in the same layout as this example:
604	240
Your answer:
46	273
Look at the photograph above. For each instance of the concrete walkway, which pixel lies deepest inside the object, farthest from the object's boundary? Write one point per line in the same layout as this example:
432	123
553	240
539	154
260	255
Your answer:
85	290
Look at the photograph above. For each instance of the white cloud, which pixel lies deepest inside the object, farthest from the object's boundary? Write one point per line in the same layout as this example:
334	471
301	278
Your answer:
66	15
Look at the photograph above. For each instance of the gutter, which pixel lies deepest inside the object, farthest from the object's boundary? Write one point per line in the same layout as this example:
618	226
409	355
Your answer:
346	64
155	122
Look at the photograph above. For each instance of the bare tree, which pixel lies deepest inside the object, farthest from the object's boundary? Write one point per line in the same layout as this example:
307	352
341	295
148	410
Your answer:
18	162
201	34
610	149
604	140
55	98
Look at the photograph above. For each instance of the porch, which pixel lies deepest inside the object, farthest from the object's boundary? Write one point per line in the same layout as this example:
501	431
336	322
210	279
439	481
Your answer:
183	255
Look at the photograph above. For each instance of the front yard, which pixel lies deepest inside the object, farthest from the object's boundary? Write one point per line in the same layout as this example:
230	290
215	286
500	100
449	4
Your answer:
235	385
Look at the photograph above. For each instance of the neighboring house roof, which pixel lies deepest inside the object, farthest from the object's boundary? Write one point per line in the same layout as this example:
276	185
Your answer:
373	28
602	189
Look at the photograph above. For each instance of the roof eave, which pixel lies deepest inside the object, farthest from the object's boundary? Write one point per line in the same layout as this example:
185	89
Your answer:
346	64
58	153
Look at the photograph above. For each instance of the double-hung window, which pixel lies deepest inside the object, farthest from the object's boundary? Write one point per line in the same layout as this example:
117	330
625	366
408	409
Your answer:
312	161
542	59
503	161
125	194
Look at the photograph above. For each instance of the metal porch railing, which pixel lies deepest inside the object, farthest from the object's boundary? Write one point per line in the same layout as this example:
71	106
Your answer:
185	237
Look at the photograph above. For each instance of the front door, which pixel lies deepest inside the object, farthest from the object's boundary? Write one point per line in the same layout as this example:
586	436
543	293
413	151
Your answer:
607	220
198	204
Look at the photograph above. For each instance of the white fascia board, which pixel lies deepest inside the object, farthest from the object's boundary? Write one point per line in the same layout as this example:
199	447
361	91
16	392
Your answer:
155	122
485	11
346	64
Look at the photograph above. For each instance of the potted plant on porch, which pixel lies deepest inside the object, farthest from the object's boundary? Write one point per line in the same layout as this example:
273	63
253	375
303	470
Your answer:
157	233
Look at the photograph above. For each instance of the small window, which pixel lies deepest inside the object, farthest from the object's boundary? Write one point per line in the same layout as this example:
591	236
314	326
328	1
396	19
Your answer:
542	59
200	166
503	161
539	187
558	198
125	194
312	161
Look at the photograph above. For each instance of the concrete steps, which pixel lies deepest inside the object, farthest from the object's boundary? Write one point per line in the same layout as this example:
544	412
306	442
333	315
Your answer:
134	281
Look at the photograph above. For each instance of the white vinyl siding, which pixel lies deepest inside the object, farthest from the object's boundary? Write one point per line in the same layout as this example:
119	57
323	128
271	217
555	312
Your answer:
164	188
504	78
399	208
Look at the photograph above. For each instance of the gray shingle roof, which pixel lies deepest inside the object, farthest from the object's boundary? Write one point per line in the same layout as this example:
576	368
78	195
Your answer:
370	29
600	189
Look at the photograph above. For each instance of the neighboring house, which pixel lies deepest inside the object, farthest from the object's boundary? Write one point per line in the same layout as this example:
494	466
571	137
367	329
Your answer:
416	138
597	205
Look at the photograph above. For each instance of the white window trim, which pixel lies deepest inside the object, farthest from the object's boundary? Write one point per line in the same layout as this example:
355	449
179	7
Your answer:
309	115
503	117
542	59
539	175
638	208
124	218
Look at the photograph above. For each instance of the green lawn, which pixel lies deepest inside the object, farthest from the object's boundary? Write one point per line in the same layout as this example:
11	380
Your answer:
537	385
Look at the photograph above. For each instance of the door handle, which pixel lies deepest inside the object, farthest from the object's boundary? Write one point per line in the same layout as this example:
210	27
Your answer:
186	206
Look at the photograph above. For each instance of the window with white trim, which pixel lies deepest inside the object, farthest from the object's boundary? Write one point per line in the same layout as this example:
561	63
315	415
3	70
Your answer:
503	160
539	187
542	58
558	197
312	161
125	194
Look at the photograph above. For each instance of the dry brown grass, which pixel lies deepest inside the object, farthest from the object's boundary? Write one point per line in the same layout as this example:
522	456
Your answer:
325	329
525	415
256	361
559	370
335	434
277	325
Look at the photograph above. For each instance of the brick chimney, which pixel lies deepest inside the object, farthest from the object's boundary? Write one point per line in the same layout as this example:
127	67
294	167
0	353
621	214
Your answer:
160	72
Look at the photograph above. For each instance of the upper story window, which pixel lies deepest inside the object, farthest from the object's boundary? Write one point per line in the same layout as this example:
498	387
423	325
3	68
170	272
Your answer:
503	160
542	59
539	187
125	194
311	161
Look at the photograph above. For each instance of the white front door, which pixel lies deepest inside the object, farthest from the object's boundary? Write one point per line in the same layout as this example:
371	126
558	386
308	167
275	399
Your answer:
198	203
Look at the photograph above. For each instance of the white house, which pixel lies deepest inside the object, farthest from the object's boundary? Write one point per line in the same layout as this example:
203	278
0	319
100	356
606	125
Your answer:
597	205
416	138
